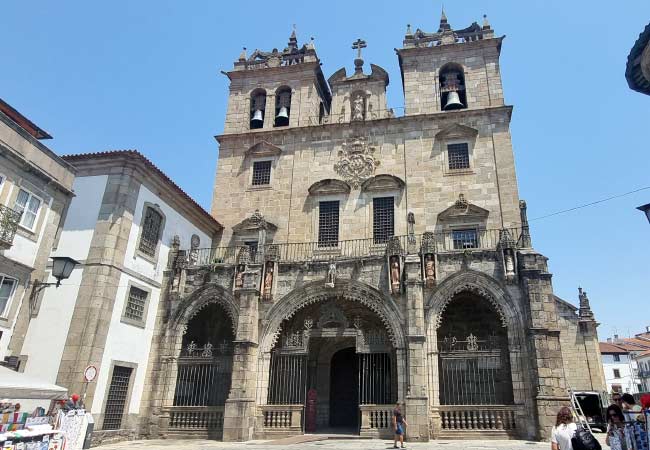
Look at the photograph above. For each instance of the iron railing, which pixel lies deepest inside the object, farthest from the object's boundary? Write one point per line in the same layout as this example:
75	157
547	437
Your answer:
441	242
8	225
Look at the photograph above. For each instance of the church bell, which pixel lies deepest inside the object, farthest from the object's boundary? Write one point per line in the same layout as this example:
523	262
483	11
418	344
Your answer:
453	101
283	116
257	119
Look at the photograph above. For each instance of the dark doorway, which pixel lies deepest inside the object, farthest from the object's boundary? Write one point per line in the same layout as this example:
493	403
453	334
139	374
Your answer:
344	389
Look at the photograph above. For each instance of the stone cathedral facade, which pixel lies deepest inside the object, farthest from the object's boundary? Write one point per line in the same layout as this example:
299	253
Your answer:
369	256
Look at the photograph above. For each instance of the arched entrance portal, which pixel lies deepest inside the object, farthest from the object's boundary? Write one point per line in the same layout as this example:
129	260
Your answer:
474	362
203	373
339	354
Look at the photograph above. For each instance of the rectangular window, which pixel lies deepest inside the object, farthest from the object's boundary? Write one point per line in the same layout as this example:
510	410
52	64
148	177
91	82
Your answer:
617	388
458	155
117	396
150	232
465	239
383	219
7	286
617	358
28	206
328	224
617	373
252	248
261	173
135	304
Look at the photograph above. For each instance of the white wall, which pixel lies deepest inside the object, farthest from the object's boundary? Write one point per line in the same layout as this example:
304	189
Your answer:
625	366
130	343
48	331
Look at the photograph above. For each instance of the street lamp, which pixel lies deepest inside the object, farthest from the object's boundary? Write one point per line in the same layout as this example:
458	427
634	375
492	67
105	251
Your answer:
646	209
62	267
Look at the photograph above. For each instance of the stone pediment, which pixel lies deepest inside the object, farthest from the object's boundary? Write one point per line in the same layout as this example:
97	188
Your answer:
263	148
463	209
456	131
254	223
377	74
329	186
383	182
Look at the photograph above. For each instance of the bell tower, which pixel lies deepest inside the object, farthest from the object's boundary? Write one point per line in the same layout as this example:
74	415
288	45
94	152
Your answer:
276	89
450	69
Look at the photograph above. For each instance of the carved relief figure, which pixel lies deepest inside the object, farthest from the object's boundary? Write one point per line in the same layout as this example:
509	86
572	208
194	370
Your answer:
358	107
429	270
331	276
510	263
394	274
239	276
356	161
268	280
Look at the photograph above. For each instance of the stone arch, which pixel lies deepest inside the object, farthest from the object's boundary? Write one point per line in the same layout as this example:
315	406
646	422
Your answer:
477	283
202	297
315	292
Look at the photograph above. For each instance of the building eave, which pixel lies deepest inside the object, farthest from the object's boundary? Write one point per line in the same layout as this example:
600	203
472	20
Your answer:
634	75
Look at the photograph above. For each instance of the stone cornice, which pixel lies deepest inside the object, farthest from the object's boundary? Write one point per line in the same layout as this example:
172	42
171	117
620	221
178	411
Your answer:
464	46
453	116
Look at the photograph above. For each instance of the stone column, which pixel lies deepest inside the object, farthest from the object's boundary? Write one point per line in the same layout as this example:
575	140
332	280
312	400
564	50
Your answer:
544	339
240	410
417	399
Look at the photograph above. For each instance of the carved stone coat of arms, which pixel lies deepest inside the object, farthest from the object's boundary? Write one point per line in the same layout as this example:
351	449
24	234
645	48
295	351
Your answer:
356	163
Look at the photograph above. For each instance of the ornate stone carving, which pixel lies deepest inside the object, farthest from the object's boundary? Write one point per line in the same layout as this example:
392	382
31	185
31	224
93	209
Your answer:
272	252
268	280
428	244
207	351
410	220
244	255
394	275
358	107
394	247
331	276
239	276
429	270
472	343
330	314
356	161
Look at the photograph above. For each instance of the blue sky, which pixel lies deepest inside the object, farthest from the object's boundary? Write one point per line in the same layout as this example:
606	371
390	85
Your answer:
146	74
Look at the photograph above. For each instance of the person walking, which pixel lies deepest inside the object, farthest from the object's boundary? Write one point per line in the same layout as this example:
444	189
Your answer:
564	430
618	435
399	425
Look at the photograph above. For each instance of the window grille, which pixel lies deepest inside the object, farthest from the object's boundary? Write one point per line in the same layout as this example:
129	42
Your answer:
328	224
261	173
465	239
116	399
135	304
150	232
458	155
28	206
383	224
7	286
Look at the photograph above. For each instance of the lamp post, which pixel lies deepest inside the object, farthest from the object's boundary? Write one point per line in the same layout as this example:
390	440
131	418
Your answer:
646	210
62	267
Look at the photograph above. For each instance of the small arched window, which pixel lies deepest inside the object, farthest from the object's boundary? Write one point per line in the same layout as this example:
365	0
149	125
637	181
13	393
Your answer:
282	106
321	113
452	87
258	108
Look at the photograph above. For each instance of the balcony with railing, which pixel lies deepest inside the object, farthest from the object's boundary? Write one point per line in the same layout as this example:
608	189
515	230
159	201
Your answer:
8	225
457	241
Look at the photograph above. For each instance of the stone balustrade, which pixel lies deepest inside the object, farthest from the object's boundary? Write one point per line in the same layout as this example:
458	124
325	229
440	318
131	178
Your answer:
478	418
281	418
376	421
196	420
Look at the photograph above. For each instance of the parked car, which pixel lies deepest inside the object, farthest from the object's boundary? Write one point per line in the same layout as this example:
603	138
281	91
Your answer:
592	406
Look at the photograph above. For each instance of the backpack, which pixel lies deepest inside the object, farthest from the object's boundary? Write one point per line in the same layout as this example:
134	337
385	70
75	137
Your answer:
584	440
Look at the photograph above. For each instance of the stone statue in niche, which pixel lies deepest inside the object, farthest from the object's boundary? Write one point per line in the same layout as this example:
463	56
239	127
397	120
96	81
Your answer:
510	264
331	276
358	109
239	276
429	270
268	280
394	274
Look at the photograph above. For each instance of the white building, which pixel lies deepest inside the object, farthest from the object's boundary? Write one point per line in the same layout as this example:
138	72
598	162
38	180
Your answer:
619	369
35	189
122	226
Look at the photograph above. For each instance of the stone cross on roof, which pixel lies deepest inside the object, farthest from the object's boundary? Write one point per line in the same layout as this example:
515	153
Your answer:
358	61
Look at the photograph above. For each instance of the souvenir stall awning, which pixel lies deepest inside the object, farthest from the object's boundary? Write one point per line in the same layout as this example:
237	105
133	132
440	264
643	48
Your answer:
16	385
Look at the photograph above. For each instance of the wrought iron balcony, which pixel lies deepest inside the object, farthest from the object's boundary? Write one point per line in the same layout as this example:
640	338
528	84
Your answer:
8	224
457	241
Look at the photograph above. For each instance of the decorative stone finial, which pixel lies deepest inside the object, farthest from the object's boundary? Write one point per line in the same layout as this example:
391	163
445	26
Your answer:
584	311
358	62
525	239
409	32
242	55
293	40
486	24
444	25
311	45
